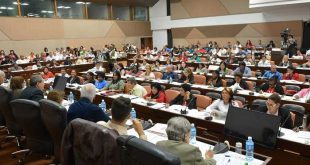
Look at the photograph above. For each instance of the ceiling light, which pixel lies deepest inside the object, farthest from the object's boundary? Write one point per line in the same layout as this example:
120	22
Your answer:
67	7
15	3
3	8
88	3
43	11
50	12
10	8
24	4
79	2
60	7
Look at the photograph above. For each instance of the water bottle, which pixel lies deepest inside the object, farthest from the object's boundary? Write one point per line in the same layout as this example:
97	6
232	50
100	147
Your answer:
71	98
170	80
193	134
249	149
133	113
103	105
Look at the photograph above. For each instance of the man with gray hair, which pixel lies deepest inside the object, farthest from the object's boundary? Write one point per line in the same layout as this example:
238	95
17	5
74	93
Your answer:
35	89
178	132
135	88
84	108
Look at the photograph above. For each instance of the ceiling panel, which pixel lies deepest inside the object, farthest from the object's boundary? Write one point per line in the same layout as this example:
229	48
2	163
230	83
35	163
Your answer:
121	2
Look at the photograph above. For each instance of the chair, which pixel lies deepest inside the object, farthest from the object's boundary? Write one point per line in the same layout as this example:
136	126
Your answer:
291	89
158	75
54	117
257	103
299	112
28	115
241	99
148	89
200	79
14	131
193	91
126	88
85	142
202	101
175	88
135	151
170	95
214	95
302	78
253	73
251	85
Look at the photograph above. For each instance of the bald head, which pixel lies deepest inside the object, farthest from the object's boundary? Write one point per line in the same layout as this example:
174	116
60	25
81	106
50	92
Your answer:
88	91
273	68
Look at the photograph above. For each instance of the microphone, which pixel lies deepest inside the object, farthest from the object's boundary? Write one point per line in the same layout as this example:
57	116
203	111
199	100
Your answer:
185	110
282	124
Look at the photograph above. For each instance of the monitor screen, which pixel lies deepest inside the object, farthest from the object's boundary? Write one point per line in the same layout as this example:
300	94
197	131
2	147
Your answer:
60	83
242	123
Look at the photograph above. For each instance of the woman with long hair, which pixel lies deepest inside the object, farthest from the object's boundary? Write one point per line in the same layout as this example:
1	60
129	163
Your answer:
157	94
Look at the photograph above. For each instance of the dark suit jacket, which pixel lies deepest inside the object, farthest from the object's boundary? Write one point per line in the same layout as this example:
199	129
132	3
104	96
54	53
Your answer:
183	78
75	80
32	93
191	103
278	88
289	63
285	115
86	110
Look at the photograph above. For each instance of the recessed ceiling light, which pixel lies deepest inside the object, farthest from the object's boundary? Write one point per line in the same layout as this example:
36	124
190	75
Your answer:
50	12
79	2
67	7
24	4
10	8
43	11
15	3
60	7
3	7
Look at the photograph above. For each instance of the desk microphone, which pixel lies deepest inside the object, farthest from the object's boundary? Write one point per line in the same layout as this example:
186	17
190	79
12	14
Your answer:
282	124
185	110
218	147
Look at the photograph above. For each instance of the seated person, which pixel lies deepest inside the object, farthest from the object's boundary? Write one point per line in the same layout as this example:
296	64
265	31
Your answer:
81	60
101	82
263	62
178	132
22	60
156	66
73	79
53	63
182	66
15	67
143	65
47	74
201	69
148	74
307	64
156	94
63	73
285	62
120	67
136	89
273	108
246	71
223	70
238	83
249	60
273	72
185	97
215	80
90	78
187	76
117	84
35	89
170	74
84	108
272	86
195	58
17	85
219	107
134	71
121	108
37	65
304	93
232	59
98	68
56	95
215	60
291	74
68	61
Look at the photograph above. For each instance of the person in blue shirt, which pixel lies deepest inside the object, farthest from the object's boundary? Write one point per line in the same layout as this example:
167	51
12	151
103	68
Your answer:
101	82
84	108
171	74
246	71
273	72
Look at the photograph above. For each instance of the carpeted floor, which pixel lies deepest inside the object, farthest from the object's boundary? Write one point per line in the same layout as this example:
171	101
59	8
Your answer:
9	147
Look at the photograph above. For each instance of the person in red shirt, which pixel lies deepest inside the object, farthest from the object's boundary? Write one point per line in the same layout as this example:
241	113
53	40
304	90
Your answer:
156	94
291	74
183	57
47	74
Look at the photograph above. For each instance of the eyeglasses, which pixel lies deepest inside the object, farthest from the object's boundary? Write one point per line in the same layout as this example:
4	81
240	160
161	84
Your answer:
270	105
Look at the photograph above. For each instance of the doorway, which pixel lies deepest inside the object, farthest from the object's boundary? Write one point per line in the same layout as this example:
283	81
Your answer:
147	42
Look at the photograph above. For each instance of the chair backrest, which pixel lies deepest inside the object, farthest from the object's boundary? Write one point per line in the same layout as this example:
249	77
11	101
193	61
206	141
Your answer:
291	89
257	103
28	115
202	101
298	110
171	94
200	79
302	78
213	95
194	91
253	73
250	85
85	142
148	89
6	111
54	117
241	99
158	75
134	151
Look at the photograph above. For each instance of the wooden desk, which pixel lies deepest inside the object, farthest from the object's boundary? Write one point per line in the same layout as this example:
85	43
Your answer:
286	152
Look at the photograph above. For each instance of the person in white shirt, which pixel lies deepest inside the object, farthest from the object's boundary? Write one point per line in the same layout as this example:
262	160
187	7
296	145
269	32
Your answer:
135	88
248	60
219	108
148	74
215	59
63	73
22	60
97	68
154	51
308	53
264	61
